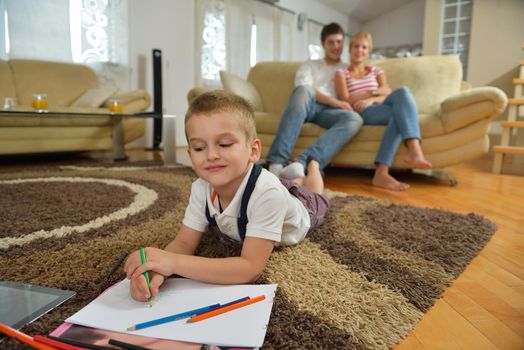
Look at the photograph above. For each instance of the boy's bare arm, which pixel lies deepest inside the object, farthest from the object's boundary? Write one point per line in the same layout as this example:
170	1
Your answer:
185	242
243	269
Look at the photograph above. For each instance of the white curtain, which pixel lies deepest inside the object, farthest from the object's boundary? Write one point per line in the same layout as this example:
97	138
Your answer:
3	54
239	18
39	29
283	35
266	49
315	50
299	41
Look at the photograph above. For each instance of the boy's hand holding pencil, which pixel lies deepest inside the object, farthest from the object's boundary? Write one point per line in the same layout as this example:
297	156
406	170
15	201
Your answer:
143	265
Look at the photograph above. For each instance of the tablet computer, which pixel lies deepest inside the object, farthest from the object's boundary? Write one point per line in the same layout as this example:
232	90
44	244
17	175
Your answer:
23	303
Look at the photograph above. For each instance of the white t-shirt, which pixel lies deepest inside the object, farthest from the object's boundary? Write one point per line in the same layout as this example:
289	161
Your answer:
319	75
273	213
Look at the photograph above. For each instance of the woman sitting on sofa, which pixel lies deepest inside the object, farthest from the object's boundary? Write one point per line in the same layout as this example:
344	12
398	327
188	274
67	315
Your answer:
367	90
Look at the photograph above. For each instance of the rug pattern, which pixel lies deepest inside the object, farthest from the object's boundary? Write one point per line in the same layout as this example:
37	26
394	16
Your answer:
360	281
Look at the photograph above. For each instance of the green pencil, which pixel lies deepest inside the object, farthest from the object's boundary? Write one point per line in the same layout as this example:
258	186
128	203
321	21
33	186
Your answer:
146	275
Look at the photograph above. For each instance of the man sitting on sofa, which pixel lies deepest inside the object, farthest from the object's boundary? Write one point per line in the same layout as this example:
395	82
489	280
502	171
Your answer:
314	100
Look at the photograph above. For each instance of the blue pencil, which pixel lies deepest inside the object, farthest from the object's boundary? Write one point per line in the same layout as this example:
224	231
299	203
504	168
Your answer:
218	306
172	317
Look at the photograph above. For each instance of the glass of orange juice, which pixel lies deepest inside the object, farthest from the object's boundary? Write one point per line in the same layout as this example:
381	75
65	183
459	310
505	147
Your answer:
115	106
39	102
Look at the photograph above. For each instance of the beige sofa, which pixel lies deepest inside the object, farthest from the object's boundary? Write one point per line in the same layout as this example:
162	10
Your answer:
64	84
454	118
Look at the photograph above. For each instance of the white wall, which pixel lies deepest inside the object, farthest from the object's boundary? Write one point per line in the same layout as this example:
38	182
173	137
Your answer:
402	26
495	48
169	26
497	34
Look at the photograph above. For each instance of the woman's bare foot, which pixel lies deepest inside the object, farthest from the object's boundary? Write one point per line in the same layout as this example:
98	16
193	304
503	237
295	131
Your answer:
384	180
415	155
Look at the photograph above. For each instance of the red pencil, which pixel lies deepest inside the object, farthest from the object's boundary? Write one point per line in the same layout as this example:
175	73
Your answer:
11	332
221	310
57	344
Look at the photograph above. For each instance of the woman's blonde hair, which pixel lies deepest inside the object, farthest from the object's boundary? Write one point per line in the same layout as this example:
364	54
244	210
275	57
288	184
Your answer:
363	35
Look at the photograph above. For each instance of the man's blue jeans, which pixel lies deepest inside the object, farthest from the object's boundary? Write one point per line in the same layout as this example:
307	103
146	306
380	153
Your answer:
399	113
302	107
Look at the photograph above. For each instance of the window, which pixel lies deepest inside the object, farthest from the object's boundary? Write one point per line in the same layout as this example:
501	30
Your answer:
213	51
236	34
456	27
93	32
66	30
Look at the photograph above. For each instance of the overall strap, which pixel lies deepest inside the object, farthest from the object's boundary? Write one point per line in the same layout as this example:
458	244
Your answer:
250	186
242	220
210	220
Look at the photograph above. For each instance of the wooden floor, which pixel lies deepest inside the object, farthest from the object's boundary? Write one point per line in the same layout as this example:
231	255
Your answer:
484	308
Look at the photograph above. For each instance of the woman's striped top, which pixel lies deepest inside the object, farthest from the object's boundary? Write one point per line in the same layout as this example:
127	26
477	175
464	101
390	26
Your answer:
360	85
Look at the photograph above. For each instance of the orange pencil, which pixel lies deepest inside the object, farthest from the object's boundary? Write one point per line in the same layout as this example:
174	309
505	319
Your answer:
221	310
24	338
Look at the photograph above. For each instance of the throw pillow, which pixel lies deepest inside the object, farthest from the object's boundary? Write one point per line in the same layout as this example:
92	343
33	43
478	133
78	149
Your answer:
95	97
243	88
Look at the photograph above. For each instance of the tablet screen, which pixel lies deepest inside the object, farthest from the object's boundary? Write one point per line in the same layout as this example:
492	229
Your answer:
24	303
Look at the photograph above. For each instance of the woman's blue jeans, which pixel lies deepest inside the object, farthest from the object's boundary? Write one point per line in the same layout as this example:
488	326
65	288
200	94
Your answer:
302	107
399	113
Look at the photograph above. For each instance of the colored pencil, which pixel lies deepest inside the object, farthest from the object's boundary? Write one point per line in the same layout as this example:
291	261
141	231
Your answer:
24	338
81	344
172	317
57	344
125	345
224	309
218	306
146	275
116	265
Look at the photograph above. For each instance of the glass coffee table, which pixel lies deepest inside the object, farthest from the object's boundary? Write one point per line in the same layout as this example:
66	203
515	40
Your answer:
114	119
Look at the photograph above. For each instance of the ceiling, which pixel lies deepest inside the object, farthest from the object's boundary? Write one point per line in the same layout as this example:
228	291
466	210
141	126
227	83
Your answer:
365	10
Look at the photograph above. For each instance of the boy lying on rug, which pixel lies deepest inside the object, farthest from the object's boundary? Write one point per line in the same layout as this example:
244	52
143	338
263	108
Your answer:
235	198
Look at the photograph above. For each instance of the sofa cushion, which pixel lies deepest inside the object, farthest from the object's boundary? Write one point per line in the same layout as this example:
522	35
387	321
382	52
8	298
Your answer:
7	86
431	78
95	97
274	82
235	84
62	82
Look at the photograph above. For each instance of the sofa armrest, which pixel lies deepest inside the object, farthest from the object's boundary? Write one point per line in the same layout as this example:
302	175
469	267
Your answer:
195	92
471	106
135	101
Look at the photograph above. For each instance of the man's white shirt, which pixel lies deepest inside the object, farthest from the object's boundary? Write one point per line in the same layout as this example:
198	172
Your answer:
319	75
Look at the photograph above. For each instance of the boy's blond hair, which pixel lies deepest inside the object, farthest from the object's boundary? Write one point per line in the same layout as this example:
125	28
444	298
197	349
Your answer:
218	101
363	35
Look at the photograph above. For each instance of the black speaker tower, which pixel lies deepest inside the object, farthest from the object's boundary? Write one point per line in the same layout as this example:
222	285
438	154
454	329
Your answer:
157	97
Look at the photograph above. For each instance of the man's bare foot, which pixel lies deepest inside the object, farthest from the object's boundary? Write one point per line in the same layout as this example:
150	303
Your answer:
384	180
415	155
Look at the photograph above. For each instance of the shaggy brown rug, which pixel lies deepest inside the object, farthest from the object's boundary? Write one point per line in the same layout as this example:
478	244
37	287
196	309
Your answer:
361	281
